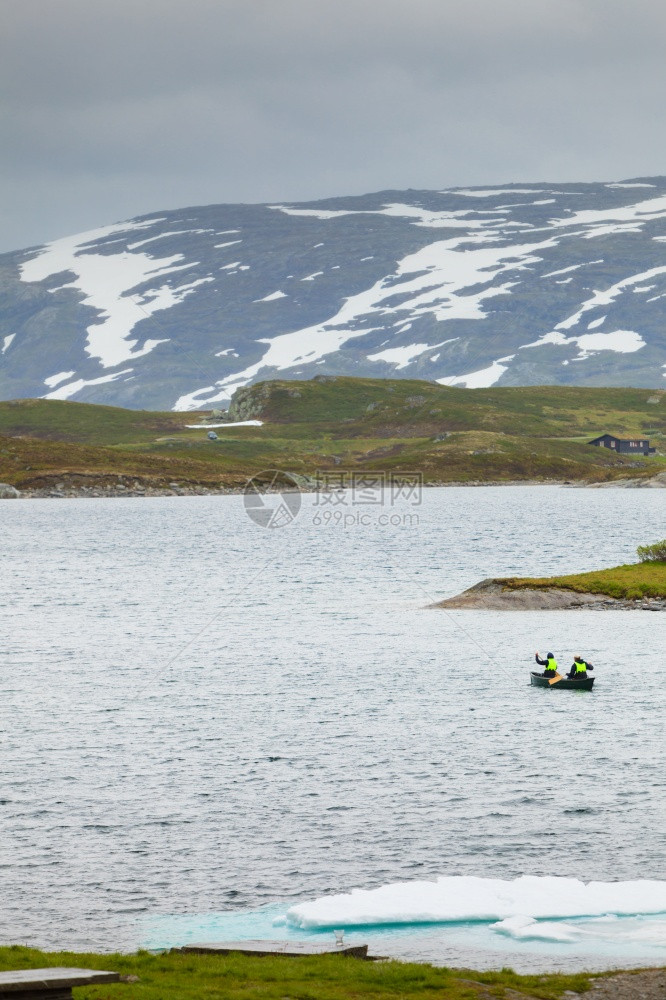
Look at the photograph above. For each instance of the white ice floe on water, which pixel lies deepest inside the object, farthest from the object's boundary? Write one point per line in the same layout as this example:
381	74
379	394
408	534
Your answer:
528	929
7	342
463	898
105	281
272	297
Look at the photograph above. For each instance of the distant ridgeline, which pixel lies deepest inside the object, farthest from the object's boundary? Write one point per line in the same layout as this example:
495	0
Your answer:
519	285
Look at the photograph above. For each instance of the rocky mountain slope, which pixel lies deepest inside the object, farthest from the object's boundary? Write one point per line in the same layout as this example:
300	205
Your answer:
515	285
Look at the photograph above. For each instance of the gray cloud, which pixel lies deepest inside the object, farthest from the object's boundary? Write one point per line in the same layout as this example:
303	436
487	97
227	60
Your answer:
113	109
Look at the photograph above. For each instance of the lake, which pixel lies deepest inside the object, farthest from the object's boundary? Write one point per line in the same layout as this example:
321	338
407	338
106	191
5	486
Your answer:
205	721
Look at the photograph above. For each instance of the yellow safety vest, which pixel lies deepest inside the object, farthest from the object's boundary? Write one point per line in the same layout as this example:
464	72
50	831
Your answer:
552	664
581	666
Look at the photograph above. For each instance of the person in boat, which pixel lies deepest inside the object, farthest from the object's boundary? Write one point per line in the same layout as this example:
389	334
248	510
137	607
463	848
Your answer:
550	663
579	669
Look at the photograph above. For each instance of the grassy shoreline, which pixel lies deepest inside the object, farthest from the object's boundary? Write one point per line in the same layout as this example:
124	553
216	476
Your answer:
629	582
235	977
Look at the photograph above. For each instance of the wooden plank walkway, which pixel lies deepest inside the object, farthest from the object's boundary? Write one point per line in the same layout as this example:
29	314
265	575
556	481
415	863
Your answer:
266	948
49	984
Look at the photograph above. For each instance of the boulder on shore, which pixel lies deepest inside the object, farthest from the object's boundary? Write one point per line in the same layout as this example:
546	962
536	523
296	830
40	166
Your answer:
8	492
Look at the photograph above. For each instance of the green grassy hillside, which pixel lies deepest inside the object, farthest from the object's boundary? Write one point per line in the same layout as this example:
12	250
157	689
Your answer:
417	408
88	423
336	423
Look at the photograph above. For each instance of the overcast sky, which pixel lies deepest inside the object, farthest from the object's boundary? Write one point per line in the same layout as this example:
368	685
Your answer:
114	108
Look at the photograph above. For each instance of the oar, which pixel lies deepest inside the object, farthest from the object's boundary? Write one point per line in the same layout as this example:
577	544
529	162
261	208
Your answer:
555	679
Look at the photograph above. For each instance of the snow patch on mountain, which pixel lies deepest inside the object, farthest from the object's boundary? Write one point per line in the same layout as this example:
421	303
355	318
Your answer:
621	341
494	192
363	284
607	297
421	216
573	267
105	281
313	213
160	236
435	220
430	281
617	184
642	211
67	391
53	380
481	379
401	357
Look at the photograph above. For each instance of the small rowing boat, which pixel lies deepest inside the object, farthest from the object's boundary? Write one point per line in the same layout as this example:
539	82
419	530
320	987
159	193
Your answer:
584	684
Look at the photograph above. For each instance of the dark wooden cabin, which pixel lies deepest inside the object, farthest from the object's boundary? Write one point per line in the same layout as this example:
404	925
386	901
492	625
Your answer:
624	446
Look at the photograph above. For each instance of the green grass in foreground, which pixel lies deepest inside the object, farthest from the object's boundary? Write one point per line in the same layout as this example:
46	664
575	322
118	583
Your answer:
633	581
200	977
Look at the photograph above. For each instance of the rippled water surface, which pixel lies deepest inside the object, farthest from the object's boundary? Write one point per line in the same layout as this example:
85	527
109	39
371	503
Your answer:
202	715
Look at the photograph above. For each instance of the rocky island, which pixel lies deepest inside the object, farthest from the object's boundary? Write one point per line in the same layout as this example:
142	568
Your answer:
639	586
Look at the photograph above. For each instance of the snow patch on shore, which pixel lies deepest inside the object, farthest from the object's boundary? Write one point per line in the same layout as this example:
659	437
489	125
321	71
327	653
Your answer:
237	423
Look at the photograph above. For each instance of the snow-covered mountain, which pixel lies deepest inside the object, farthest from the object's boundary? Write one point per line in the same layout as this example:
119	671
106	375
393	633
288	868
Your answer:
514	285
